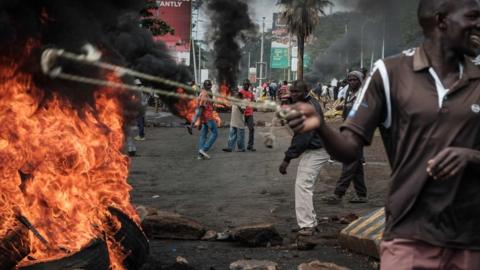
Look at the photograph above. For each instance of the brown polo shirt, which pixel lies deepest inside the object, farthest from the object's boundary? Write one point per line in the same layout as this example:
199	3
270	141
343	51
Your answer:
418	118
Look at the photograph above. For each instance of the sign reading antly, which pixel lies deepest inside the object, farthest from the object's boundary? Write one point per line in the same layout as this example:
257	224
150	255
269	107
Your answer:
178	15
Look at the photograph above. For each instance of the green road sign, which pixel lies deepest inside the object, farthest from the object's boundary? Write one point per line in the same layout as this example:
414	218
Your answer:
279	58
307	60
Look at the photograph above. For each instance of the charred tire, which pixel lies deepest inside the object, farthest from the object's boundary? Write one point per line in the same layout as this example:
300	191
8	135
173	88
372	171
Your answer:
132	239
92	257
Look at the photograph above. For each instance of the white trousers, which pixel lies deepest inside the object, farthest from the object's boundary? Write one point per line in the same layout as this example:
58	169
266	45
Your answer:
308	170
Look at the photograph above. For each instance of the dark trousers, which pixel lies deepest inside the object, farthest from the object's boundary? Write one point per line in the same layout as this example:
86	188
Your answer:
251	131
141	125
352	173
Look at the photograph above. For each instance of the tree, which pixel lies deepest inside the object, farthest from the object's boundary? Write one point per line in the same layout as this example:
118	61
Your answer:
302	16
157	26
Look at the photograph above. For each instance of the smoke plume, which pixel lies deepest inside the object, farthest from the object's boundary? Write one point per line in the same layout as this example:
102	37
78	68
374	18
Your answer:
110	25
370	23
229	23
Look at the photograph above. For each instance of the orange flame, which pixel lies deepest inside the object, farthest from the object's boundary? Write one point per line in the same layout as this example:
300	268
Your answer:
224	103
61	168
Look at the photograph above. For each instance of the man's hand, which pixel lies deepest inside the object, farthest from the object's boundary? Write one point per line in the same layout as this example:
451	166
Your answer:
303	118
449	163
283	167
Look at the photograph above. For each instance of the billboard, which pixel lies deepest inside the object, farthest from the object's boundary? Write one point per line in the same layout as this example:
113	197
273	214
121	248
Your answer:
280	43
177	14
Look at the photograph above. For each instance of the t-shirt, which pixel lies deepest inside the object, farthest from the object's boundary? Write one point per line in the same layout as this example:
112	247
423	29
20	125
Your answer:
207	112
248	96
237	120
284	92
417	121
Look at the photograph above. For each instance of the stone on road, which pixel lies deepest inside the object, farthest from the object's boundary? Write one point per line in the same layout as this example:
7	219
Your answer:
253	265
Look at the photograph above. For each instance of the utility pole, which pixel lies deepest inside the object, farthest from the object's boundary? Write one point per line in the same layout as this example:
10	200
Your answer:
195	75
199	62
383	39
289	58
261	52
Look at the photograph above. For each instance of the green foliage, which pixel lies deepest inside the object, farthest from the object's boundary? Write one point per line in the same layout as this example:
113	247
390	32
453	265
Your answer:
302	17
157	26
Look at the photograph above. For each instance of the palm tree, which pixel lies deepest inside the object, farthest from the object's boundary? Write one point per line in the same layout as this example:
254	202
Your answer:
302	16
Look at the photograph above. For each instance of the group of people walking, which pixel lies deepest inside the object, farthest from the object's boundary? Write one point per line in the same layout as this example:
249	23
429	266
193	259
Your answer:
241	118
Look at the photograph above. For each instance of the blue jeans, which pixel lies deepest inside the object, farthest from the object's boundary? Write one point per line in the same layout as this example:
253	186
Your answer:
236	136
141	125
206	142
198	113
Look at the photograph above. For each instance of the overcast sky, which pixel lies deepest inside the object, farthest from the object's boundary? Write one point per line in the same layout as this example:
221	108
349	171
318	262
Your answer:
266	8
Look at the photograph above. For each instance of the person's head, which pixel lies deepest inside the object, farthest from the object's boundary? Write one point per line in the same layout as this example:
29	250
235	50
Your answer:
354	80
454	23
285	83
298	91
246	84
207	85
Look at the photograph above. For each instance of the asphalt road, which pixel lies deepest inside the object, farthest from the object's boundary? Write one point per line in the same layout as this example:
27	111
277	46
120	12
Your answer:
234	189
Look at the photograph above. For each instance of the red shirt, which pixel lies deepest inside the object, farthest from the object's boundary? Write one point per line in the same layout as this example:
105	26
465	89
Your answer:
207	113
284	92
248	96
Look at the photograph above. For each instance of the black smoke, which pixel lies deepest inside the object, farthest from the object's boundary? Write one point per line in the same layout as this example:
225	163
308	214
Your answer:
381	21
112	26
230	21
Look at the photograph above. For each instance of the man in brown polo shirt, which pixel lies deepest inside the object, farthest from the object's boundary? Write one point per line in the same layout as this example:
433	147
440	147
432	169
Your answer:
426	103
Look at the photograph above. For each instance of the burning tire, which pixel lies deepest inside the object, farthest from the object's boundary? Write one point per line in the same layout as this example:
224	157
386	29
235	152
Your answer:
132	239
14	247
94	256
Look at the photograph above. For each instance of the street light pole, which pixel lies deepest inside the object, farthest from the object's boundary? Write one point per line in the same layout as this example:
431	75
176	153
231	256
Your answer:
199	61
261	52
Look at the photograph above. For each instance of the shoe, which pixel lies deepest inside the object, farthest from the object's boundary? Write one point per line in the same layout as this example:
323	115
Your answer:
138	138
358	199
189	129
331	161
199	157
307	231
241	150
251	149
332	199
204	154
227	150
132	153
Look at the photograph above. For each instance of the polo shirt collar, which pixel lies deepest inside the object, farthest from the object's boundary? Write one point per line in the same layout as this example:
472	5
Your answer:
421	62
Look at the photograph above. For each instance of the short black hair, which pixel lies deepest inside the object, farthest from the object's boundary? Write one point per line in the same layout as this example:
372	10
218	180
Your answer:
427	9
300	85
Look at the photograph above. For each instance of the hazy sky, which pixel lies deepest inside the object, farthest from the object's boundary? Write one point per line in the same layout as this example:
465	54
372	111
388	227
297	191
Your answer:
266	8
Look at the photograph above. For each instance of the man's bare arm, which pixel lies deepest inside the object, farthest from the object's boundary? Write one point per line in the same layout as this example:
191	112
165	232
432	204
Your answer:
343	145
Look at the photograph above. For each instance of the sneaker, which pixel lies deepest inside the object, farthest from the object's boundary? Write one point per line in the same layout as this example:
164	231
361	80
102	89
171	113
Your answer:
227	150
199	157
138	138
358	199
204	154
251	149
241	150
307	231
132	153
189	129
332	199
